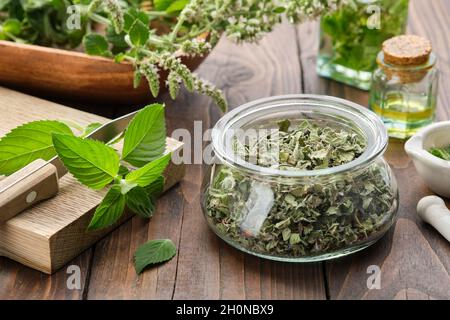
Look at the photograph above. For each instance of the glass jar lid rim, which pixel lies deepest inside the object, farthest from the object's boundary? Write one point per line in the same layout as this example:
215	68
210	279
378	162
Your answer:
364	119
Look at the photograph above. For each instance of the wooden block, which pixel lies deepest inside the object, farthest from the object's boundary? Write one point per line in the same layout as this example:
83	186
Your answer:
51	233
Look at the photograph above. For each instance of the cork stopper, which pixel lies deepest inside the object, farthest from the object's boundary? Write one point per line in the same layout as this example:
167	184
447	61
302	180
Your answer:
407	58
406	50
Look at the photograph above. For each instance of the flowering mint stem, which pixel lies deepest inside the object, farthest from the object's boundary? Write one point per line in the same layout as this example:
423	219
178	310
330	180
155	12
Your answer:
177	27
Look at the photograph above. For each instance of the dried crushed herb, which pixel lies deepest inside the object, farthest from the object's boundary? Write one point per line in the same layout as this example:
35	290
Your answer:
293	218
307	147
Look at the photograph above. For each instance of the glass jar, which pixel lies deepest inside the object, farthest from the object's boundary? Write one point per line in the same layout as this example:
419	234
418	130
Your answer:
351	38
299	215
404	96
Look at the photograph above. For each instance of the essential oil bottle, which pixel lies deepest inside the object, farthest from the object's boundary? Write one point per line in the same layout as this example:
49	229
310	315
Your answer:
404	87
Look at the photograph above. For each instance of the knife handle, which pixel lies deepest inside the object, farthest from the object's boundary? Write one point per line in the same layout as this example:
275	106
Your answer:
28	189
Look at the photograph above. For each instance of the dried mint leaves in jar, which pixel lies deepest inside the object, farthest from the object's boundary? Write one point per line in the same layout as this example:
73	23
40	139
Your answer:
307	217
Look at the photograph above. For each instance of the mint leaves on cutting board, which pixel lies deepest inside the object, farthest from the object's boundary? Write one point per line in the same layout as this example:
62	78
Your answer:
29	142
134	177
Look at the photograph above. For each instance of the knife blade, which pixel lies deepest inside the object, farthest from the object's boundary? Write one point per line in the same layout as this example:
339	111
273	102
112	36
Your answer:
39	180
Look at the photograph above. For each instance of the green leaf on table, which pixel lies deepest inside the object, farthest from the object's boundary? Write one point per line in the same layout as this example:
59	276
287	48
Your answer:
110	209
140	202
153	252
96	45
145	137
149	173
93	163
27	143
139	33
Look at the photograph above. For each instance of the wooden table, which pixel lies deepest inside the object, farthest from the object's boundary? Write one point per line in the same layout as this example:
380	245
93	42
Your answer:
414	259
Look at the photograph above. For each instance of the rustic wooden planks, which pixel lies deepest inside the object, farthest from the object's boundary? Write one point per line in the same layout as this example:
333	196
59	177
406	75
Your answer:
413	258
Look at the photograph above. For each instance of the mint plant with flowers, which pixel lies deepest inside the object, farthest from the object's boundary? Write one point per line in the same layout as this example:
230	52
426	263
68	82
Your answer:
130	30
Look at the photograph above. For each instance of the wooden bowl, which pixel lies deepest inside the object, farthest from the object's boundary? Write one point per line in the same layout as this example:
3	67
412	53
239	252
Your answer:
74	75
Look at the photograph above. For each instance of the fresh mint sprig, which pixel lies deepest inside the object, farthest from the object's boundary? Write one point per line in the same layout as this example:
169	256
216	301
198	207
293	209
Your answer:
133	31
97	165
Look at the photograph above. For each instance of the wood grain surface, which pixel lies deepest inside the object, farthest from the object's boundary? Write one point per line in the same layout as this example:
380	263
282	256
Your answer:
413	258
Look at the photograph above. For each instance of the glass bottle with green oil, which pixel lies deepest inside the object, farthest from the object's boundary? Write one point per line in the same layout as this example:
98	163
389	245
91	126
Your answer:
404	87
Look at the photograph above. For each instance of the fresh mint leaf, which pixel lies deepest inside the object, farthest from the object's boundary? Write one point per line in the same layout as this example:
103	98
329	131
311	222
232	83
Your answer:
131	16
93	163
140	202
119	45
110	209
11	26
123	171
145	137
96	45
153	252
139	33
177	6
162	5
136	25
149	173
27	143
156	187
120	57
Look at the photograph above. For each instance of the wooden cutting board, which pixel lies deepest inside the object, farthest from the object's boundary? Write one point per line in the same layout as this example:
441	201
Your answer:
51	233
